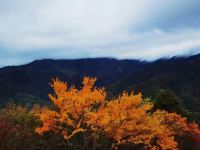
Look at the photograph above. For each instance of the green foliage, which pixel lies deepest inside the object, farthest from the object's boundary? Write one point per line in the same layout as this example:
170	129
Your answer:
18	123
167	100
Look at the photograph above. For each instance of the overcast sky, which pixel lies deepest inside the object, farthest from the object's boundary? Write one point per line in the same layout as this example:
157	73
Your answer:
68	29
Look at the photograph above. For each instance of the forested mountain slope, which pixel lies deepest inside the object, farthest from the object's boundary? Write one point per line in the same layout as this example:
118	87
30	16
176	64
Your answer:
182	75
30	83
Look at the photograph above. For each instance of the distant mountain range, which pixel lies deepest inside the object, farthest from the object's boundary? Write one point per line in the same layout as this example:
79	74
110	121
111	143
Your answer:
30	83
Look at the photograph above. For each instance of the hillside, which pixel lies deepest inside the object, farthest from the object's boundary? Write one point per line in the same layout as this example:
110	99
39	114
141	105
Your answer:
178	74
30	83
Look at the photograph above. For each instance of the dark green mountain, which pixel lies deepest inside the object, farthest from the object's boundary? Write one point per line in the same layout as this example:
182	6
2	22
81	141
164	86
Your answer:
30	83
182	75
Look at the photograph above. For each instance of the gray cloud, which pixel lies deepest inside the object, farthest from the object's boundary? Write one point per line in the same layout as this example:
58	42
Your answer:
140	29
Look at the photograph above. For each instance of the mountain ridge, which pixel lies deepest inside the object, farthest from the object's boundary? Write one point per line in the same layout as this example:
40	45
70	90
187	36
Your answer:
30	82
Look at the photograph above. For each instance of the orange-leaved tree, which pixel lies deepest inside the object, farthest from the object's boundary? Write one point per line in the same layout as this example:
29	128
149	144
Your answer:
186	134
73	106
125	120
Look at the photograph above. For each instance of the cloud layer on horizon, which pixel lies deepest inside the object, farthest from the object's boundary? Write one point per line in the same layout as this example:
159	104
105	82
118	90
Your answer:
139	29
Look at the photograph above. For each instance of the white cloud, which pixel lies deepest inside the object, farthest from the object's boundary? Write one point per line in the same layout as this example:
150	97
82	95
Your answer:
94	28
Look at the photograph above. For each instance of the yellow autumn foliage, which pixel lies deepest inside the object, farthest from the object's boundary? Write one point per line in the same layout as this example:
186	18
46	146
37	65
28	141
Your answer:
73	105
125	120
